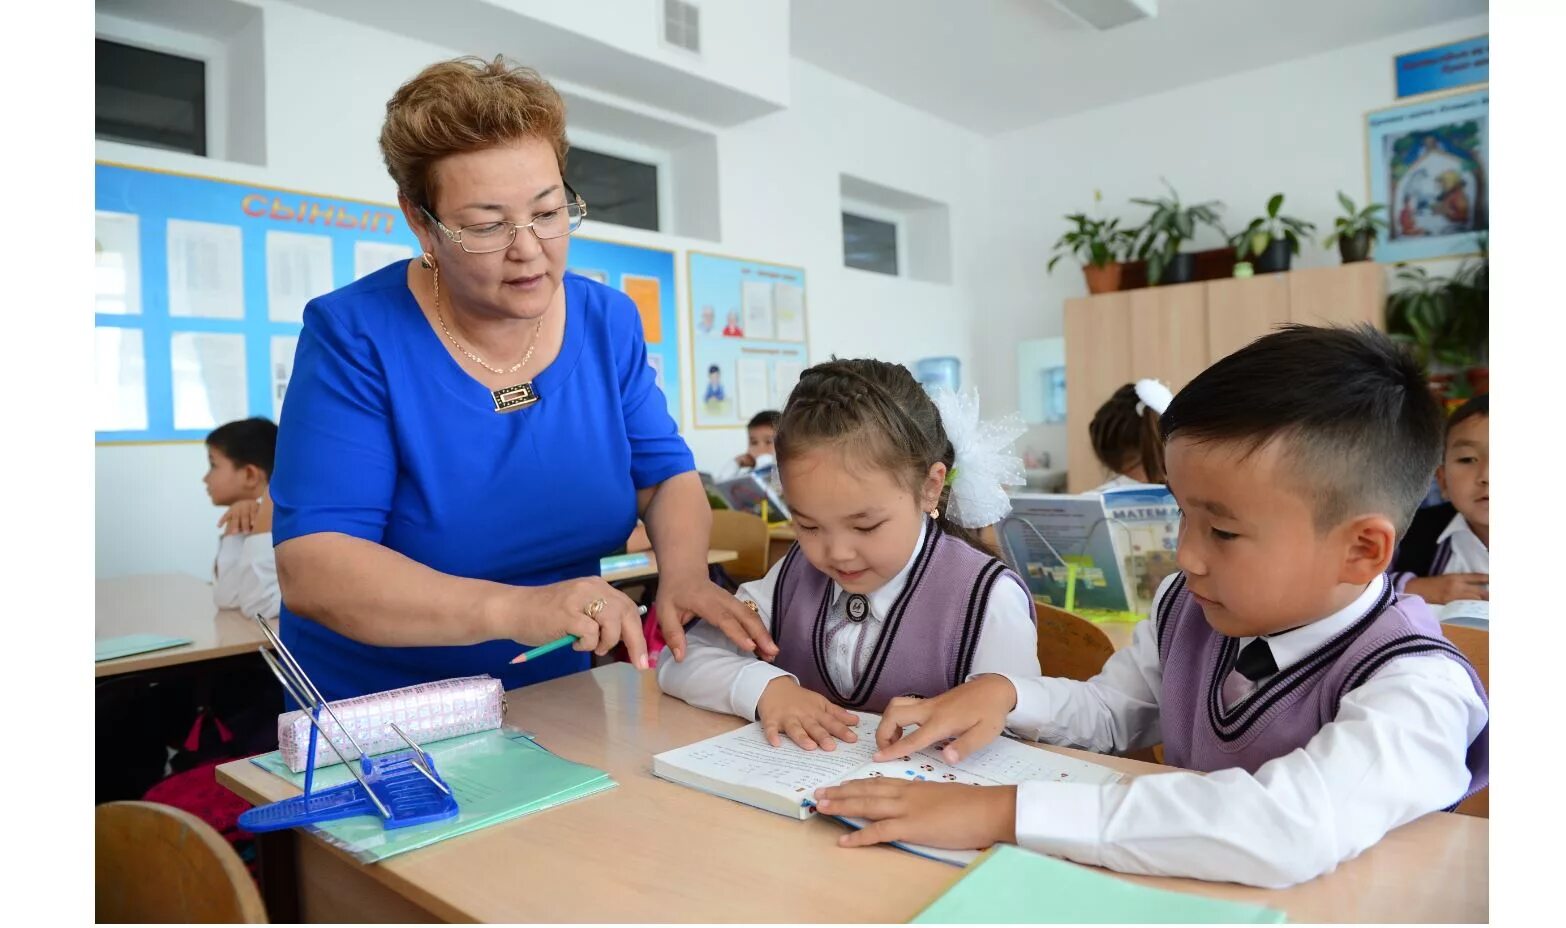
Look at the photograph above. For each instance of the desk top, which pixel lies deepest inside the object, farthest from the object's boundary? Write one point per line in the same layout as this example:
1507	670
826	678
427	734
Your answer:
177	605
652	850
781	531
650	569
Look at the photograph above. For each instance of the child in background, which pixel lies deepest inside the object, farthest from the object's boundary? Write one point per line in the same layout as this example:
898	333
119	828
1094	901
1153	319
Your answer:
1315	708
239	459
1124	434
1445	555
761	435
887	591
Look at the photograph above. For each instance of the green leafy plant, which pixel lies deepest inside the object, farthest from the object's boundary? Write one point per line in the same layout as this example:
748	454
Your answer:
1094	241
1445	319
1356	222
1168	227
1264	230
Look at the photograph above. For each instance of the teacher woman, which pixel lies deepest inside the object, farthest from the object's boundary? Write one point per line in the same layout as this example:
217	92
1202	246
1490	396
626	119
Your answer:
467	433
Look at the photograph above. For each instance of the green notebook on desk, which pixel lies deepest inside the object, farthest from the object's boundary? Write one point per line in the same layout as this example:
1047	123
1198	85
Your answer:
126	645
496	776
1010	886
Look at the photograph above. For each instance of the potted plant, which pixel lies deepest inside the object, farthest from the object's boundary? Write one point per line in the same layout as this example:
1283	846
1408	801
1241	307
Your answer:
1270	240
1447	321
1099	244
1355	231
1169	226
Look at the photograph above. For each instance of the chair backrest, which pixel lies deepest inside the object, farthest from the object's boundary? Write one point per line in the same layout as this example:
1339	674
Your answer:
745	533
1069	645
156	863
1475	645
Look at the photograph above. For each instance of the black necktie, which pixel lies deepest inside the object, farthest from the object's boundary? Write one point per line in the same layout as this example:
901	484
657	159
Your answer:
1255	662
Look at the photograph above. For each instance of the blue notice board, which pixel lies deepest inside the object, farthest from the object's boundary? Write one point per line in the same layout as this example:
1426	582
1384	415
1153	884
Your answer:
1445	67
646	275
200	291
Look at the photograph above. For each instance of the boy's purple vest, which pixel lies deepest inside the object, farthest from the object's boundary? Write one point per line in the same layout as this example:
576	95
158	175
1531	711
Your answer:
927	639
1289	709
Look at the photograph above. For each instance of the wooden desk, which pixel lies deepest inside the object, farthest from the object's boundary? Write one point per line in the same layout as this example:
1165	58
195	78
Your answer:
651	850
650	569
177	605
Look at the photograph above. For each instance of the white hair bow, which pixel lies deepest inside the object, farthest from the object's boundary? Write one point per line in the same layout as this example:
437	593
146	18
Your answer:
985	464
1153	395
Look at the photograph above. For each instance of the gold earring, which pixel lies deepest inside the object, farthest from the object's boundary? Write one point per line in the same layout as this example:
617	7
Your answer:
935	513
427	261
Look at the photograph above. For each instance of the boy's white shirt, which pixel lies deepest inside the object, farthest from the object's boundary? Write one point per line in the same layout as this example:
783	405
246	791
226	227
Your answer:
1469	554
717	675
1395	751
245	575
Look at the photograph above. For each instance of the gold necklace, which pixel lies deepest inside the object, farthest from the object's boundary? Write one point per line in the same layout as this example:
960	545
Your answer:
532	343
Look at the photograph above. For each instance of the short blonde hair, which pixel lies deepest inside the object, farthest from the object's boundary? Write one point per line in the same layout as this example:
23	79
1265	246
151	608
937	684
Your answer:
462	105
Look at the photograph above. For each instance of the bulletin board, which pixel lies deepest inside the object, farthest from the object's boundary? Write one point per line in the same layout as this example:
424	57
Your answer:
748	337
646	275
201	286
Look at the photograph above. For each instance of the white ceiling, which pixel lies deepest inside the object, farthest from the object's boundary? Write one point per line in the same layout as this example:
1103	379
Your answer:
997	65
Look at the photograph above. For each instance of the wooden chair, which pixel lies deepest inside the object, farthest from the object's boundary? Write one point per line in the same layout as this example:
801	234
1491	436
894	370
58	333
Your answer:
1069	645
745	533
1475	645
1072	647
157	863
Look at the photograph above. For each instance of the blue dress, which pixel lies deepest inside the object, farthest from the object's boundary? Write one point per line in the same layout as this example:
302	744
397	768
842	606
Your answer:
384	437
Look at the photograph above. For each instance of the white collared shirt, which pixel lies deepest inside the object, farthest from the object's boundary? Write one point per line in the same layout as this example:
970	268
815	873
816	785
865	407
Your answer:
245	575
1468	555
1395	751
719	676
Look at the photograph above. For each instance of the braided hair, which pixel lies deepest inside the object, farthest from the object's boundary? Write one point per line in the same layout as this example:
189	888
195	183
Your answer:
877	411
1123	438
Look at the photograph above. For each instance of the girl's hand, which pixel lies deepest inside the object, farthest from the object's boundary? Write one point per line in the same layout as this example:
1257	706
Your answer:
1449	588
809	719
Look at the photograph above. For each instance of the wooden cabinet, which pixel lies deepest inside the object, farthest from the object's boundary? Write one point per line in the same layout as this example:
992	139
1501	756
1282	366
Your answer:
1173	333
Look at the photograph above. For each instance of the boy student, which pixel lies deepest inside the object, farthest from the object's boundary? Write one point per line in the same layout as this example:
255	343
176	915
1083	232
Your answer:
762	432
1316	708
1445	555
239	458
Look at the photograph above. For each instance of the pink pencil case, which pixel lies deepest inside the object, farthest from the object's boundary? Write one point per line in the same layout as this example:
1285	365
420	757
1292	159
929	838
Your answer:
427	712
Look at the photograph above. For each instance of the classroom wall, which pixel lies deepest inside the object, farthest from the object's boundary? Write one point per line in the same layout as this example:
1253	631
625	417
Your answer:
778	189
1297	127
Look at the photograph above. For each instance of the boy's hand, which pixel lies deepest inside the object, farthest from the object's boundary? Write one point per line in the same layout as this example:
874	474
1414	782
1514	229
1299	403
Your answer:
949	815
1449	588
809	719
974	713
240	518
745	460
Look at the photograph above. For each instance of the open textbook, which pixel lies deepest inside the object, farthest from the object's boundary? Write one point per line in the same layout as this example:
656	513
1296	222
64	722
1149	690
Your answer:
741	765
746	493
1121	543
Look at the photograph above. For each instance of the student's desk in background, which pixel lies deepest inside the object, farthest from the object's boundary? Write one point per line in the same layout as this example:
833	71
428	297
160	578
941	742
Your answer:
649	570
176	605
780	538
649	850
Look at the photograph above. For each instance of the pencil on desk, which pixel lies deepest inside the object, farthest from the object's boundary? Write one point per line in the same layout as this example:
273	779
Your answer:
563	641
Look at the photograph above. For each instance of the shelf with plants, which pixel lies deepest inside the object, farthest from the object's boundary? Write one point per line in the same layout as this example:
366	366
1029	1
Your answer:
1446	321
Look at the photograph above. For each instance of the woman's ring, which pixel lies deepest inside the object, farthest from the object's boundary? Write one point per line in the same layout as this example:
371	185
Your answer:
595	607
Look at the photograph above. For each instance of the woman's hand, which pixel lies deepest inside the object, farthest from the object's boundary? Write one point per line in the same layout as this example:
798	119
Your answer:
599	615
681	600
809	719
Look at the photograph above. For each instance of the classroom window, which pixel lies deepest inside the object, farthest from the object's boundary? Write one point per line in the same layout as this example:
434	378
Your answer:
617	190
870	244
150	98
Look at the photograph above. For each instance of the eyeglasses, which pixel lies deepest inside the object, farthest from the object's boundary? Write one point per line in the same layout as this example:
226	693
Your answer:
485	237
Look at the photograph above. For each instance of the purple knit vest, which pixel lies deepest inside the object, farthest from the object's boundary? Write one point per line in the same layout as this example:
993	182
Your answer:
928	638
1289	709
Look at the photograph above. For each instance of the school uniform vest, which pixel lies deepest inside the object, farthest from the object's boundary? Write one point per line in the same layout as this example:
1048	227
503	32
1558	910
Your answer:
928	636
1291	707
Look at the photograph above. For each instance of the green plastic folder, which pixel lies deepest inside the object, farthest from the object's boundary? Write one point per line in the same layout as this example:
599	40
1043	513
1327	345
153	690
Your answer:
126	645
496	776
1009	886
